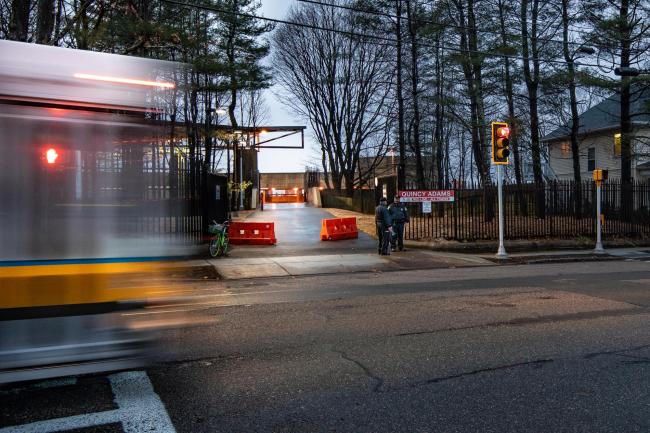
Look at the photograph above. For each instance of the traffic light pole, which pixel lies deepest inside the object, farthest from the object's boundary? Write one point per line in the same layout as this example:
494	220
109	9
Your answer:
241	179
599	244
500	153
501	253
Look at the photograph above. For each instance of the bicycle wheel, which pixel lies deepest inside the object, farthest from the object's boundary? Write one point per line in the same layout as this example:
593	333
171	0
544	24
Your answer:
214	247
224	246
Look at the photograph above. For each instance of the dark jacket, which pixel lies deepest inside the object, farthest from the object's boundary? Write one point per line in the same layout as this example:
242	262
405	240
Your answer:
382	217
399	213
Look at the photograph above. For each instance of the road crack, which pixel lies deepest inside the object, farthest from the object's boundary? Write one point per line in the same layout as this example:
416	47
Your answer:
620	352
379	382
537	363
522	321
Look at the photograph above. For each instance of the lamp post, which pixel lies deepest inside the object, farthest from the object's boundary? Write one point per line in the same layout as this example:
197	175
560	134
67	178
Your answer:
241	179
600	176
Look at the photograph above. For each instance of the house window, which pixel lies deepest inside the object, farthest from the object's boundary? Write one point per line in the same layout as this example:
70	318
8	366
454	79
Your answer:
591	159
617	144
566	149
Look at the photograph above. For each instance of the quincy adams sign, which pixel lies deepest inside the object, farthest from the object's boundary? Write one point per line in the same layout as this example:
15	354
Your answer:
434	195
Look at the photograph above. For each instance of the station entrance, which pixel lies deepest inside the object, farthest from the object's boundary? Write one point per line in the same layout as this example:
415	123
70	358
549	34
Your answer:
289	200
285	187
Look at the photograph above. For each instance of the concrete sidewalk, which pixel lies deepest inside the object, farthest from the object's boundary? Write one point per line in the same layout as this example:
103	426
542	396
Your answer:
284	266
233	268
414	259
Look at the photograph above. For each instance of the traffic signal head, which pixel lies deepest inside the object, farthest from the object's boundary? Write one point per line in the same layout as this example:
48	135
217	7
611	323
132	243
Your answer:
500	143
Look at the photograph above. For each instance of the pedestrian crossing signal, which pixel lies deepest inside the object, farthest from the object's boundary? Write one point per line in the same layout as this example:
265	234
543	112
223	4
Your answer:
500	143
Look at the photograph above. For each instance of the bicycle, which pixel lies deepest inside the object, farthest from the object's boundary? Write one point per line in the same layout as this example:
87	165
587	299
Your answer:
219	241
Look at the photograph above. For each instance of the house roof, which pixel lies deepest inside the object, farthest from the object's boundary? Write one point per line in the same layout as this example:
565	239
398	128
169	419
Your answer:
643	166
607	115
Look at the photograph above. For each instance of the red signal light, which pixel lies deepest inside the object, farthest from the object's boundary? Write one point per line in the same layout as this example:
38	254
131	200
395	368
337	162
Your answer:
504	132
500	143
51	155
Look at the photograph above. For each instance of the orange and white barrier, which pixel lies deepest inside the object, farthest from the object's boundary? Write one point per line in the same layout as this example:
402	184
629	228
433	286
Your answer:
335	229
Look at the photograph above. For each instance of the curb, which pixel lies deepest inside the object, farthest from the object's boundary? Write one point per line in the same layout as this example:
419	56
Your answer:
486	247
541	260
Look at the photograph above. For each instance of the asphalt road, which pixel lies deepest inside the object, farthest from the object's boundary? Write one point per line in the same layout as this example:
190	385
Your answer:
528	348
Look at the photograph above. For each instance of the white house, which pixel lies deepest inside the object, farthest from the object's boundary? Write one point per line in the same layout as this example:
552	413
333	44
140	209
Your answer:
599	140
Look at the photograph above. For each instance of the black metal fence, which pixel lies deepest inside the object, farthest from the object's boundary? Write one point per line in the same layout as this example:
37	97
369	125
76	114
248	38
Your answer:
153	191
175	197
559	209
363	200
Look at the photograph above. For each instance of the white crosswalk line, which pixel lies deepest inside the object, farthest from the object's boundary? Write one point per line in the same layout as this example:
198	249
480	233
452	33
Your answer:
139	410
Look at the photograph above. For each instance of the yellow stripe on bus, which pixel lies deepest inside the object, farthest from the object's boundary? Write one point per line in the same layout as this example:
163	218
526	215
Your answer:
47	285
80	268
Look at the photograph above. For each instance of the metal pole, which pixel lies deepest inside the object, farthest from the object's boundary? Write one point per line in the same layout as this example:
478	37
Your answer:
599	244
241	178
501	253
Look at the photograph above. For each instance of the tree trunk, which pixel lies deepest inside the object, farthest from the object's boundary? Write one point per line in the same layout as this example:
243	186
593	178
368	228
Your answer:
401	173
19	20
468	47
512	119
476	66
439	118
626	125
575	117
419	166
45	21
532	84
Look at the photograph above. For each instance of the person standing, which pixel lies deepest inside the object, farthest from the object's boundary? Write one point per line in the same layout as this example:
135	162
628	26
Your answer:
384	224
400	216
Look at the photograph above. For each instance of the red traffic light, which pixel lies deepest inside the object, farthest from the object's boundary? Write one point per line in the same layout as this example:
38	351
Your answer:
500	143
51	155
503	132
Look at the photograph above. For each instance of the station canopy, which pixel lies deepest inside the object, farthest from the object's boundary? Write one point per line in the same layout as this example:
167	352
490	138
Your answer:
263	137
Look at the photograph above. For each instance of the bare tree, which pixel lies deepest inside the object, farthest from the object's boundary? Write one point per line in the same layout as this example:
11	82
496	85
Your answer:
339	82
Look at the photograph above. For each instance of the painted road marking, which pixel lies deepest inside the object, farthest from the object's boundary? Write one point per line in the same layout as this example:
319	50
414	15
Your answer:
139	410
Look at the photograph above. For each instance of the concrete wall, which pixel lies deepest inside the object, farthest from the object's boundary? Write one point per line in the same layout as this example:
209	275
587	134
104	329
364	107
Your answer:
313	197
282	180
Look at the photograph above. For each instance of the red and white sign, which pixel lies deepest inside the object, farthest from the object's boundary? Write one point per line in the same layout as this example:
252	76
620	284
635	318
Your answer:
434	195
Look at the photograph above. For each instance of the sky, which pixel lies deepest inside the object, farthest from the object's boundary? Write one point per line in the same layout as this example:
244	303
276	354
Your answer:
283	160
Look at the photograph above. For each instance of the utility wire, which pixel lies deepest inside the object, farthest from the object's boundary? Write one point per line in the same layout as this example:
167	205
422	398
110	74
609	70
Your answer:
391	41
602	46
435	23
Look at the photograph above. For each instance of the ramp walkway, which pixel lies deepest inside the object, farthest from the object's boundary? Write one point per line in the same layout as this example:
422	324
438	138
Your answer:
299	250
297	228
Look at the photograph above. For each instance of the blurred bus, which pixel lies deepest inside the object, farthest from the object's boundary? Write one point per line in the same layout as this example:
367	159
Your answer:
92	196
